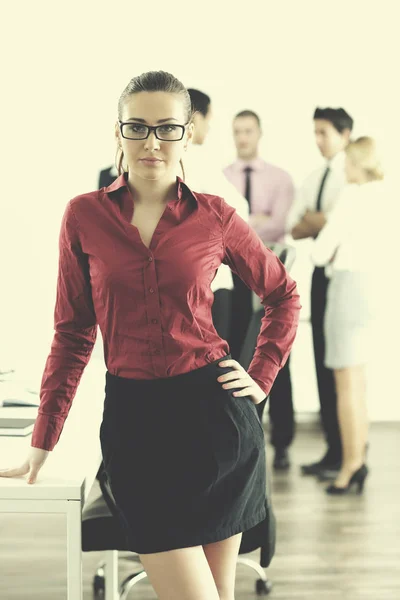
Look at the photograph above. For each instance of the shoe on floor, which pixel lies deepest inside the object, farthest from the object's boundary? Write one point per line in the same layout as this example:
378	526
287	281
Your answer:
318	467
328	474
281	459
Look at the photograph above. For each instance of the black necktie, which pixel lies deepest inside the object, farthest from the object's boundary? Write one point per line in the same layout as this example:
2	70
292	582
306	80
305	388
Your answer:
247	192
321	189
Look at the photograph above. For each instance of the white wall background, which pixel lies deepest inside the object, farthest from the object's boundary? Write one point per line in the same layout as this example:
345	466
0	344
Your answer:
65	65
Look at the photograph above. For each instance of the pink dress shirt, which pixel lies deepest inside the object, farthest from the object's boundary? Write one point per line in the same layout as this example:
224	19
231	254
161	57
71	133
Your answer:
272	194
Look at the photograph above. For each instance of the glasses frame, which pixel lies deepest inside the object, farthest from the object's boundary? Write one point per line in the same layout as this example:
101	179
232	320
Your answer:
151	128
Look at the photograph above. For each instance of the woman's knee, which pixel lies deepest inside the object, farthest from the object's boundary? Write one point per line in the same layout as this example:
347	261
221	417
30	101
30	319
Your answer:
182	574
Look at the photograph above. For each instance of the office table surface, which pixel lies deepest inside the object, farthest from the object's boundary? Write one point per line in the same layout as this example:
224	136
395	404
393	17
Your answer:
71	467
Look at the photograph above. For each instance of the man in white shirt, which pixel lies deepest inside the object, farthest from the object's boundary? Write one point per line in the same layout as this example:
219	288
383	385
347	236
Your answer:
307	217
203	174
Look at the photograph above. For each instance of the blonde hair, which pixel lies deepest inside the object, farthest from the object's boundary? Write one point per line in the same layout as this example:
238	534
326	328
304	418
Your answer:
363	153
153	81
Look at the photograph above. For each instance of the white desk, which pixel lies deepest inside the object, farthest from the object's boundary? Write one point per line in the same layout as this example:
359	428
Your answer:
65	480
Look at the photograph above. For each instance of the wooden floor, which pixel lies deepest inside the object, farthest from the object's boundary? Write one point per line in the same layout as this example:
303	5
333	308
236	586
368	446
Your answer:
328	548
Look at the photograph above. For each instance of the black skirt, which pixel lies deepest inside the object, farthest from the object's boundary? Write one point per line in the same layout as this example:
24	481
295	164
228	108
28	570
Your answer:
185	459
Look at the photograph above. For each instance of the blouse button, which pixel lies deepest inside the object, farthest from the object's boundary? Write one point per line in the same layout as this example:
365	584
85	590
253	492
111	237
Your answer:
151	290
150	258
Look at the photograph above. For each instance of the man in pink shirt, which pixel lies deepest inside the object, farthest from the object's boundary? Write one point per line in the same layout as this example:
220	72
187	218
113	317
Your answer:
269	191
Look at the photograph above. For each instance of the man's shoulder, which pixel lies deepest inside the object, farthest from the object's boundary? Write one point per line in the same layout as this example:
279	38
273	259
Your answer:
231	168
314	175
336	166
276	171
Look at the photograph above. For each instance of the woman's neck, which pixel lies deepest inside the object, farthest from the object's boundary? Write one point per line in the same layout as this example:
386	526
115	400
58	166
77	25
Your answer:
152	192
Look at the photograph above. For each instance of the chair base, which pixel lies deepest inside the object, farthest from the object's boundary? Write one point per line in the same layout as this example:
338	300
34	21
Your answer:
99	580
263	585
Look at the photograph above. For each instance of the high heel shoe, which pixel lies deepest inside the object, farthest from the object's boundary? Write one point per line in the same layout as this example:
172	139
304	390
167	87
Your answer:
358	478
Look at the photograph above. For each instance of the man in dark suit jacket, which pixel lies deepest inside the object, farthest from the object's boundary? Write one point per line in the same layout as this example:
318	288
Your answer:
107	176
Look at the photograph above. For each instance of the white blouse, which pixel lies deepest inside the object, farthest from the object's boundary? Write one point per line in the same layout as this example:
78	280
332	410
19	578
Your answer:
352	237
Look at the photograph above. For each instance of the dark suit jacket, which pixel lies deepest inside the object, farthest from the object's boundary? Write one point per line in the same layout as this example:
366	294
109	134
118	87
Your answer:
105	178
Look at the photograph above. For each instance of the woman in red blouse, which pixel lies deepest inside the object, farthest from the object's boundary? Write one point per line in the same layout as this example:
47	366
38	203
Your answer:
182	444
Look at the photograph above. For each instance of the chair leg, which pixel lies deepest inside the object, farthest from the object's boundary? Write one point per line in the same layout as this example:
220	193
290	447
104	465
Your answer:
129	582
263	584
111	575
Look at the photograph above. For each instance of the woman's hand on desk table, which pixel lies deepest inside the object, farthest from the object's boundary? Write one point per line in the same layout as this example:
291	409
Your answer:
32	465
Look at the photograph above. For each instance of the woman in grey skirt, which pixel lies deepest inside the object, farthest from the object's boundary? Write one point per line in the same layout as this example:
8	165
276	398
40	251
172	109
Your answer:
346	246
182	444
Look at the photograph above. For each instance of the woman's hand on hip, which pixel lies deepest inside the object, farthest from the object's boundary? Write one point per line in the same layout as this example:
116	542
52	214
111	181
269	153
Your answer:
239	378
34	462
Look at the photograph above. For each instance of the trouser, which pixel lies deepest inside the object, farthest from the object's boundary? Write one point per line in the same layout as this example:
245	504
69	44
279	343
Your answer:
281	411
325	376
221	312
242	310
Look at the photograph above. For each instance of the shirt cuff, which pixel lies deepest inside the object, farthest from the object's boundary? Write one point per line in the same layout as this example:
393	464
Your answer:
264	373
46	431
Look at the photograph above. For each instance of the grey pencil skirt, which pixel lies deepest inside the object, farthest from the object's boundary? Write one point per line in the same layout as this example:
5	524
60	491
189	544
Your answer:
185	459
347	319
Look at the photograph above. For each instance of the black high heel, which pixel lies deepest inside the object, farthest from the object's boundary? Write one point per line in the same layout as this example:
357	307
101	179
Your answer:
358	478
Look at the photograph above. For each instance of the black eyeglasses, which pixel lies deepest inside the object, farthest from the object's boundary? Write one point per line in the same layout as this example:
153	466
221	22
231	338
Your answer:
138	131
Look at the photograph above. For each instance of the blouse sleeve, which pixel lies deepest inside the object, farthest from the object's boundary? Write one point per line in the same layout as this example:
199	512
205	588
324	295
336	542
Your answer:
334	230
262	271
75	334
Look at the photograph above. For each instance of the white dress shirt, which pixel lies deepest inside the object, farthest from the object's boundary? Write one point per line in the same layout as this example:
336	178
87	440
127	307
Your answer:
203	175
349	241
306	197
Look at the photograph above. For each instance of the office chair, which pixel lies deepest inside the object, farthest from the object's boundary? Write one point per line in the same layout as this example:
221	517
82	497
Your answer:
101	529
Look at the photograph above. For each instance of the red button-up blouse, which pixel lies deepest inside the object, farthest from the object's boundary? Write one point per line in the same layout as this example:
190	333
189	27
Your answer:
153	305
